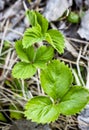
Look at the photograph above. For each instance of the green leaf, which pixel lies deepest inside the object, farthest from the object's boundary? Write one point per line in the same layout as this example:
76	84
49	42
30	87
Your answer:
31	15
31	36
41	110
2	118
23	70
75	100
20	51
36	19
56	39
56	79
48	38
42	21
30	52
25	54
43	55
15	115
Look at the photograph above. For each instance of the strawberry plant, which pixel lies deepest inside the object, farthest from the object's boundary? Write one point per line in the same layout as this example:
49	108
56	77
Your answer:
61	97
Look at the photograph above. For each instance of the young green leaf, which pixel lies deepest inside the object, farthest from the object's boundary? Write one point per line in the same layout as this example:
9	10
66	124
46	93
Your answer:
25	54
36	19
43	55
20	51
48	38
23	70
31	15
30	52
56	39
41	110
42	21
31	36
56	79
74	100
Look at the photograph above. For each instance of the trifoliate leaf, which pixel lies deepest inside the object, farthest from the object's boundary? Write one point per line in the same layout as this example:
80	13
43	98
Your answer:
23	70
25	54
56	79
31	15
31	36
41	110
42	21
56	39
43	55
75	100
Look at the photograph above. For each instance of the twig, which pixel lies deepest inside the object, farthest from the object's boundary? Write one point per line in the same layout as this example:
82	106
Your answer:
71	49
14	31
77	40
25	6
4	53
38	85
78	68
17	111
87	81
12	93
6	64
72	62
5	31
23	89
8	99
4	123
76	77
85	49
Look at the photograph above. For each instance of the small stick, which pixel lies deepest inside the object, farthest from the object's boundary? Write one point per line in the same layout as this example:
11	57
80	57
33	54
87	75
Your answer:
5	31
87	83
78	68
25	6
77	40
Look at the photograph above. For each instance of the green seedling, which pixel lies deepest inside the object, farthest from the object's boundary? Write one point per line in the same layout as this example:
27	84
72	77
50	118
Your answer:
61	96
